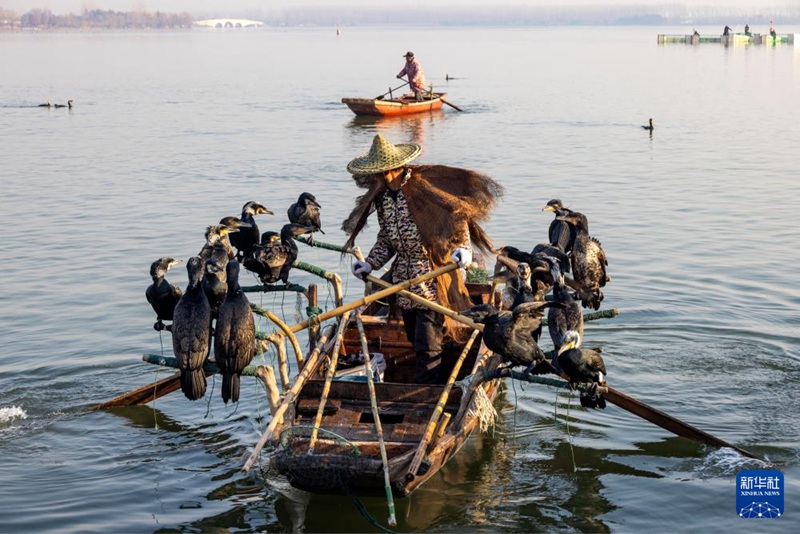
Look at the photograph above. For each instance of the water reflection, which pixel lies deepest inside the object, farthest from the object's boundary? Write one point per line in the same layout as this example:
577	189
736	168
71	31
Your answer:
411	128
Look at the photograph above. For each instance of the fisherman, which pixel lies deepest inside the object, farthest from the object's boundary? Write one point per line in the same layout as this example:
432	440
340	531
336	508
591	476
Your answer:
747	30
428	215
416	77
727	30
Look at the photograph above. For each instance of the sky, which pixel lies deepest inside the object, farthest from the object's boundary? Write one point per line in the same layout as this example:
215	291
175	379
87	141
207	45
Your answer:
195	6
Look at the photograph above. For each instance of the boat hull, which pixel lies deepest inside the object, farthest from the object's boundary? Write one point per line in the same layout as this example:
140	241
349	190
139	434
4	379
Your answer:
392	108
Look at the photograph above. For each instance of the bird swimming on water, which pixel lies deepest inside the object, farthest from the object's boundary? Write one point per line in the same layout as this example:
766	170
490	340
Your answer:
234	335
68	105
582	366
247	238
191	332
162	295
649	127
45	105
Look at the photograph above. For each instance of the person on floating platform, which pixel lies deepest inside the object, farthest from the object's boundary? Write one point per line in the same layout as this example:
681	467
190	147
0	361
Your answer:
772	33
429	215
696	33
726	31
416	76
747	30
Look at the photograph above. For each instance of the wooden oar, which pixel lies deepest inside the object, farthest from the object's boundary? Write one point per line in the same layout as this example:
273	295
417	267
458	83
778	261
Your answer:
390	91
172	383
667	422
451	105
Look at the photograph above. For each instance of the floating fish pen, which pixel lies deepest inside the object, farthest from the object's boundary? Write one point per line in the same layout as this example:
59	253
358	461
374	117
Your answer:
727	40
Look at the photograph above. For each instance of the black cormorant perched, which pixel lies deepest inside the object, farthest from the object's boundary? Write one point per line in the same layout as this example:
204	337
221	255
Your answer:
541	279
510	334
582	366
273	258
560	233
162	295
191	332
306	212
235	226
518	286
588	262
247	238
215	255
562	320
234	335
649	126
68	105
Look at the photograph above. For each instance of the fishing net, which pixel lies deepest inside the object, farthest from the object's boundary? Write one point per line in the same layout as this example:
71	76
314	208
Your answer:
481	407
339	461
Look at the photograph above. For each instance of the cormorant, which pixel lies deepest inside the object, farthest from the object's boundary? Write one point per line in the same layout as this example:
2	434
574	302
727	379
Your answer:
560	233
510	334
234	335
273	258
518	286
162	295
46	105
246	240
562	320
68	105
582	366
588	262
306	212
649	127
217	241
191	332
541	279
235	226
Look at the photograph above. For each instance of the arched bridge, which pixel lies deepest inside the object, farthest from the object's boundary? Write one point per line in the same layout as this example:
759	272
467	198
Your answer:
228	23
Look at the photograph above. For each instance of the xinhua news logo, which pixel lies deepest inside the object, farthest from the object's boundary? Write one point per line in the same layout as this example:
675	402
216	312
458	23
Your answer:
759	494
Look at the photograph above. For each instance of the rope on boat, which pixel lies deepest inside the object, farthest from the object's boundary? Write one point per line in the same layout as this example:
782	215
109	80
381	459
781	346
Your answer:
481	408
290	432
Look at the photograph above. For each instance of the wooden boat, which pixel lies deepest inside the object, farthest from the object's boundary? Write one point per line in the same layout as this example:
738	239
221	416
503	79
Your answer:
346	455
394	106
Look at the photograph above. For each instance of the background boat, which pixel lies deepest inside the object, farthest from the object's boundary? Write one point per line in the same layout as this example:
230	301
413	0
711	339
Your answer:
393	107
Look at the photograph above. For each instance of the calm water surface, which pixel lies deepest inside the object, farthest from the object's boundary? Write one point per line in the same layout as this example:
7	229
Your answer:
172	131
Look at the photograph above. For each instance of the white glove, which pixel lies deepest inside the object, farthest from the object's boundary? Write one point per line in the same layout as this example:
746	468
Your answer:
462	256
361	269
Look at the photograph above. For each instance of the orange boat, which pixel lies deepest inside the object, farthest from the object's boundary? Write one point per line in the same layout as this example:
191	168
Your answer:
394	106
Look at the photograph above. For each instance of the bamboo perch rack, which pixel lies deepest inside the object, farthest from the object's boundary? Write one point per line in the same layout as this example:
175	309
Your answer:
298	352
288	399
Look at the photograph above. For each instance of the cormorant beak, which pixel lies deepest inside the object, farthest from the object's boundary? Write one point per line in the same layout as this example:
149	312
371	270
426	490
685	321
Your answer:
549	208
265	210
566	346
243	224
173	263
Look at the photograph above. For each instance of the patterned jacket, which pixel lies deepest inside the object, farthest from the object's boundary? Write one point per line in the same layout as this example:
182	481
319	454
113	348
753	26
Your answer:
416	77
399	237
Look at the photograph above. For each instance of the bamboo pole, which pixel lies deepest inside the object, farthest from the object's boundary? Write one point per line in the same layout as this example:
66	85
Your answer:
267	376
326	387
439	410
298	352
283	361
373	400
313	330
288	399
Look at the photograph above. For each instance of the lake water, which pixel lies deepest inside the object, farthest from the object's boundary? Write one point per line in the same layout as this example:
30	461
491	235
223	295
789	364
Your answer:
172	131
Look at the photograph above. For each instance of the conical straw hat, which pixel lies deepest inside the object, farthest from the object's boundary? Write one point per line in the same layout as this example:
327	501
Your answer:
383	156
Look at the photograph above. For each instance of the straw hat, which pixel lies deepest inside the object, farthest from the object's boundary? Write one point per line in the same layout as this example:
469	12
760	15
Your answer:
383	156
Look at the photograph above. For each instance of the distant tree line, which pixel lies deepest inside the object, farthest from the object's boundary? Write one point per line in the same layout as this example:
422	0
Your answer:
99	19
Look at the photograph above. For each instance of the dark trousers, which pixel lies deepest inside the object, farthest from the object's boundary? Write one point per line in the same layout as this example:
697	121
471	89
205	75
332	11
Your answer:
425	329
